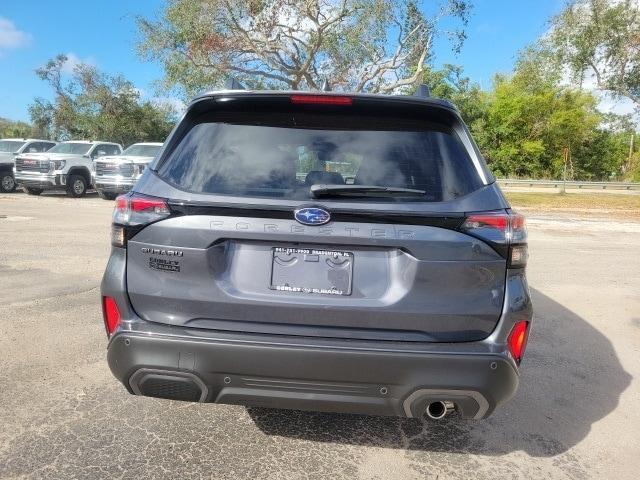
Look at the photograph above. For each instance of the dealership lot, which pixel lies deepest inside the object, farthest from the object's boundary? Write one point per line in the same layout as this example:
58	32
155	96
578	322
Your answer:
63	415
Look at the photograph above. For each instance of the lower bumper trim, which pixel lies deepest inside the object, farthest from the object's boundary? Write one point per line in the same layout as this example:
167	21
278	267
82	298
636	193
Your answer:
428	395
374	382
37	181
113	185
173	385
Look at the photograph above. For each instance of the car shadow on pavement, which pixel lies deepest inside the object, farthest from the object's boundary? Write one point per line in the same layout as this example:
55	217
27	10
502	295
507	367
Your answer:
571	378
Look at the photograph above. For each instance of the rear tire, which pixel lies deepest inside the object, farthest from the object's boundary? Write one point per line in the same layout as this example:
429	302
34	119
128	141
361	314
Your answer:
76	186
7	182
107	195
32	191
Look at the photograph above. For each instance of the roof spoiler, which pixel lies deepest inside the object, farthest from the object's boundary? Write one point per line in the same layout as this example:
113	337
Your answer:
423	91
233	84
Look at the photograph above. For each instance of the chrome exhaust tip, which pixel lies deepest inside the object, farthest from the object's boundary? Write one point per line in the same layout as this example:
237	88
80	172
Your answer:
440	409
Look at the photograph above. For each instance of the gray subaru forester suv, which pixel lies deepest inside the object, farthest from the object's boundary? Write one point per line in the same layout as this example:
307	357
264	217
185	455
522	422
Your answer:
332	252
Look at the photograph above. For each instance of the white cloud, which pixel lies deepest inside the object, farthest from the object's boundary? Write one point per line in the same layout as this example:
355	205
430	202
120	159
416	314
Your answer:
73	61
11	37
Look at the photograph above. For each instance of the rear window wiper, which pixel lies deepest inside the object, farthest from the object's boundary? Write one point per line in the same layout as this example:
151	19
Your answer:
318	191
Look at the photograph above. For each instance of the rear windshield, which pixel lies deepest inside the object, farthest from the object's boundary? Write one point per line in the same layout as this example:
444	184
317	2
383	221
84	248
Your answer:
285	161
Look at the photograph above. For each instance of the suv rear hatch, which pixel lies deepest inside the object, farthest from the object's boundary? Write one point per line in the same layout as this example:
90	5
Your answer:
224	249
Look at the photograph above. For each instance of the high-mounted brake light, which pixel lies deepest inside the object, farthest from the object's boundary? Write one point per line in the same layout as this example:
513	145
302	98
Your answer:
111	314
518	340
321	100
135	211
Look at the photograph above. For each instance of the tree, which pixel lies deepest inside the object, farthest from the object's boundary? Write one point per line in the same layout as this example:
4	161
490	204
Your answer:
451	84
90	104
600	39
532	126
357	45
11	129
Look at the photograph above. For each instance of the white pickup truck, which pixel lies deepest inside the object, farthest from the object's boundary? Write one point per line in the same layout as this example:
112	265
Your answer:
12	147
117	174
67	166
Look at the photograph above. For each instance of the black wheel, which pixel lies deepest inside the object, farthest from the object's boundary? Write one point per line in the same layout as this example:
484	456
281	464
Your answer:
33	191
7	182
76	186
107	195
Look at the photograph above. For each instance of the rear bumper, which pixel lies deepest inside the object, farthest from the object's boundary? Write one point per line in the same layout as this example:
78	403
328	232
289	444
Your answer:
40	180
313	373
114	184
289	372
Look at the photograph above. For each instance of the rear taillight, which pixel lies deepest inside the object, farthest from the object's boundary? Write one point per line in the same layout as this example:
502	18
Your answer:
518	340
505	231
321	100
134	211
111	314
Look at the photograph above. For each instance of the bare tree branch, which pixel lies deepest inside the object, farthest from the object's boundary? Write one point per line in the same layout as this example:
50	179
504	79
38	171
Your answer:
296	43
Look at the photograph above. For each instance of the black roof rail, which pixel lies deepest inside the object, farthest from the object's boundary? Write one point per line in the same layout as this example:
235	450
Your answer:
233	84
423	91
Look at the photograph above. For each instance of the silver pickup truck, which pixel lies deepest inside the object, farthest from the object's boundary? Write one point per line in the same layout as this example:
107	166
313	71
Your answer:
67	166
12	147
117	174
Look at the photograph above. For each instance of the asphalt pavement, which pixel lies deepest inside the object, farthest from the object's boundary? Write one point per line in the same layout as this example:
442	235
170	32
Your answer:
62	414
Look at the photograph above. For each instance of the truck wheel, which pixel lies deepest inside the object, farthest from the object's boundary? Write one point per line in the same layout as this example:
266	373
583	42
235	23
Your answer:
32	191
107	195
7	182
76	186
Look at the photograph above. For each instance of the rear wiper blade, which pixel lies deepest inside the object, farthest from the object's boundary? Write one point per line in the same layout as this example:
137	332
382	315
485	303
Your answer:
318	191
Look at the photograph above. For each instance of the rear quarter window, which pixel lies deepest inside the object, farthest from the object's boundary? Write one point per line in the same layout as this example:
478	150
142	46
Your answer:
284	160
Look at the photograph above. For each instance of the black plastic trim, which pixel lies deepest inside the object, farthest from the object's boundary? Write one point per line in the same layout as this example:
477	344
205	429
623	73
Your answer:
448	220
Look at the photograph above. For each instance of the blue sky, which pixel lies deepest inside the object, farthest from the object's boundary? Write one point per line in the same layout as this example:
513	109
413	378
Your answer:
104	33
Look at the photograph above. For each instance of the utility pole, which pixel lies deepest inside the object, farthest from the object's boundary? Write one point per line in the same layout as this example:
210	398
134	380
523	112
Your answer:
564	171
630	151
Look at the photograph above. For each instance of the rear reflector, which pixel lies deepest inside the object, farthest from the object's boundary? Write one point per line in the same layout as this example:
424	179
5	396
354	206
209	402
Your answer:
518	340
321	100
111	314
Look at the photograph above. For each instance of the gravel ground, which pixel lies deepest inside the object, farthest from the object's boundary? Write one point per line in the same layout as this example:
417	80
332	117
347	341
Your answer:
63	415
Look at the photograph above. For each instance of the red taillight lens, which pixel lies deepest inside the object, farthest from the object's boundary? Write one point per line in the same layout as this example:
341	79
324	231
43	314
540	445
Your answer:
321	100
111	314
506	231
518	340
499	221
128	204
121	202
143	204
134	210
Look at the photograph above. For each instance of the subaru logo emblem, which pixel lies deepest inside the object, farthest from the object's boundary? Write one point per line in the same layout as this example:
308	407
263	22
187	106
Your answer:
312	216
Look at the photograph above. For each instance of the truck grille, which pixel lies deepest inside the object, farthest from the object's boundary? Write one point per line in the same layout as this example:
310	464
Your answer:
105	169
28	165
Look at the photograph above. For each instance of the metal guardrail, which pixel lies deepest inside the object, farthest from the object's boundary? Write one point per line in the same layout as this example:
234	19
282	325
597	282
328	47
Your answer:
569	184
